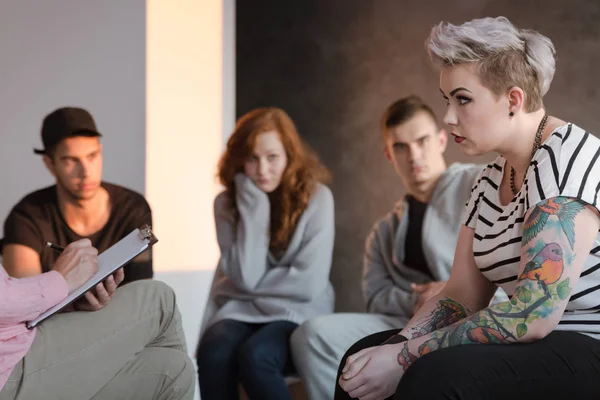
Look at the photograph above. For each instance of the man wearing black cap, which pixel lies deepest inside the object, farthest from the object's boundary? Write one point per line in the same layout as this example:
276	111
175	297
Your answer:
80	205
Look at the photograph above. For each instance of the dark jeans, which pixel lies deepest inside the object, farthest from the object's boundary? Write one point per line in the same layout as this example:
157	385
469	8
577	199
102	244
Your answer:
562	365
255	355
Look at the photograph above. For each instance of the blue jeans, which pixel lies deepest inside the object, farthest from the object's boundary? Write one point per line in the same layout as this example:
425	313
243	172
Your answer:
255	355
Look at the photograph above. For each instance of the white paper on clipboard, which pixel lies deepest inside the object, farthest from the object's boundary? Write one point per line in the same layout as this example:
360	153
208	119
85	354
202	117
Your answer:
109	261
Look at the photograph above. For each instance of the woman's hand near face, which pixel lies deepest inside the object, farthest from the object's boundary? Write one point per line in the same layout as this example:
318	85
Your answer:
248	192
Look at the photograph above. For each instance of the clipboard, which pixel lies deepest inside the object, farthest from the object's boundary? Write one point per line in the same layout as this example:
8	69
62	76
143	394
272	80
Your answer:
110	260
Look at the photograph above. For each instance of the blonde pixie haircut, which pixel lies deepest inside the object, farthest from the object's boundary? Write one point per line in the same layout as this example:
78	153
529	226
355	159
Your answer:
504	55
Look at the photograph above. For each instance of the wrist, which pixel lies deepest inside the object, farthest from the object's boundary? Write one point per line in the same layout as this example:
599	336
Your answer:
68	282
405	357
398	338
56	287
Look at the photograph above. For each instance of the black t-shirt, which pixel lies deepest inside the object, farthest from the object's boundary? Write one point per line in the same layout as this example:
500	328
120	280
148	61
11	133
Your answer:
413	248
37	219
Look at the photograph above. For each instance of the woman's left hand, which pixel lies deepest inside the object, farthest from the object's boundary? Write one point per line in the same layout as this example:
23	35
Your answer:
372	373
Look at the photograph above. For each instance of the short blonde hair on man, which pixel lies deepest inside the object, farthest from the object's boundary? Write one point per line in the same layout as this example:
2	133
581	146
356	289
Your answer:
504	55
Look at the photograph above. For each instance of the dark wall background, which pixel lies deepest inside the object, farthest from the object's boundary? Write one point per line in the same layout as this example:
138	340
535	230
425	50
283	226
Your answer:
334	65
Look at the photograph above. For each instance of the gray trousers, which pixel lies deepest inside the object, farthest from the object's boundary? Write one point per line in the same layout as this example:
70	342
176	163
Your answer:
133	348
319	344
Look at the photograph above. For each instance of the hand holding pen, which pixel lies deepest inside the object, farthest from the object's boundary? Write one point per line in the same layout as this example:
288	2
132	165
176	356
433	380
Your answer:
77	263
102	293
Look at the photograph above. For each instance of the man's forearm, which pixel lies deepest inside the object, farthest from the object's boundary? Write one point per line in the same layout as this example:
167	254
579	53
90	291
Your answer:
26	298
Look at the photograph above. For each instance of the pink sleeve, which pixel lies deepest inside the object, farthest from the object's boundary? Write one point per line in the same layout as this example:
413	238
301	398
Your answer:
26	298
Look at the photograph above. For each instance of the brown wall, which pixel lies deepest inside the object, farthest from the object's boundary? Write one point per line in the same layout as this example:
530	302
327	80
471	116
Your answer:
334	65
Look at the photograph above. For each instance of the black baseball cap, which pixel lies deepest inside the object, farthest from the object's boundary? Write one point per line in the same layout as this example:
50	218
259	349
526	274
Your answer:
64	123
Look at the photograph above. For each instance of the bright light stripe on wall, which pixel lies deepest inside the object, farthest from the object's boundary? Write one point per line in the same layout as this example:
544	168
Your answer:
185	127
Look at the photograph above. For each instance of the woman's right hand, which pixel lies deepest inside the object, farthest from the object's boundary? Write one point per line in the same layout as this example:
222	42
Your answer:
241	179
246	188
77	263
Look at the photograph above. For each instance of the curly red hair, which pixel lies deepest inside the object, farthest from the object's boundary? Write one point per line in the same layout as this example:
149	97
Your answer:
299	179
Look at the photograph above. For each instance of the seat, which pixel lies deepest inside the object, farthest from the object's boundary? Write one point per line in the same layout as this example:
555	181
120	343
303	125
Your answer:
295	386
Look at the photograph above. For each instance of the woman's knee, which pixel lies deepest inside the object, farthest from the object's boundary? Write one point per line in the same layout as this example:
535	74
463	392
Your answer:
365	342
417	381
267	349
213	357
254	356
433	375
219	344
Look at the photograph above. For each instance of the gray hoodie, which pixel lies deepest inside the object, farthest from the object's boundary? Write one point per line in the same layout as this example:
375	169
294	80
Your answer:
386	279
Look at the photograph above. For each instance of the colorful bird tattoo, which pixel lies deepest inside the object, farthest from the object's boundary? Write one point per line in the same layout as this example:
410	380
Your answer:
563	208
546	266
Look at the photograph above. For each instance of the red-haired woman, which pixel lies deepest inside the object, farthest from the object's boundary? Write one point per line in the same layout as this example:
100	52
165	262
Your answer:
275	228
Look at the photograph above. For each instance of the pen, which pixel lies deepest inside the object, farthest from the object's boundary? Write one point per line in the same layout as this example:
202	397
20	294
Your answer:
55	247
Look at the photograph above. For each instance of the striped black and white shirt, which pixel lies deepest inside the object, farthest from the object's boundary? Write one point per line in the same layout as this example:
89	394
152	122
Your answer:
567	165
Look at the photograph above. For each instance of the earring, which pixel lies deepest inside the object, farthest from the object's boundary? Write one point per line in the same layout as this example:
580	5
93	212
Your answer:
512	114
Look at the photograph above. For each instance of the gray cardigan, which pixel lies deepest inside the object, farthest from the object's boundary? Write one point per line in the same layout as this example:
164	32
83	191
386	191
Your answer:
386	280
250	284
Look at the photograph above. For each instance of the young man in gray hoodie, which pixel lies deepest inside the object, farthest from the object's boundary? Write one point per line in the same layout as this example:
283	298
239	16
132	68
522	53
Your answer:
409	252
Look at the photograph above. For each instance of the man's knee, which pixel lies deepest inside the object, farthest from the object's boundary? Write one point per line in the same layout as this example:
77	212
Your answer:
150	289
300	338
153	294
178	366
299	346
165	294
187	377
160	289
311	335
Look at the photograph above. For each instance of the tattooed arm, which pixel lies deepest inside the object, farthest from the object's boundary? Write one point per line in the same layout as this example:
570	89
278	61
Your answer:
454	303
557	237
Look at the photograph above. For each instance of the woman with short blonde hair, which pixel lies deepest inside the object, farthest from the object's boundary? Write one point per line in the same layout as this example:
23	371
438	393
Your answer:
531	227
